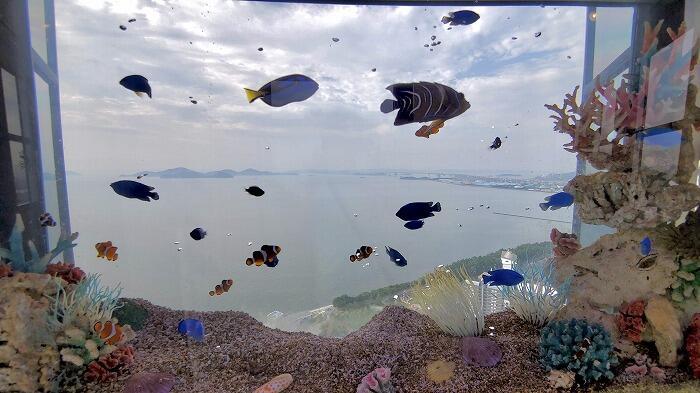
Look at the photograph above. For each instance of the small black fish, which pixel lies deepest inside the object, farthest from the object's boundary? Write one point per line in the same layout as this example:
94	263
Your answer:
132	20
134	190
413	225
396	257
335	39
433	37
415	211
260	49
255	191
539	33
122	27
198	234
138	84
496	143
423	102
374	70
193	101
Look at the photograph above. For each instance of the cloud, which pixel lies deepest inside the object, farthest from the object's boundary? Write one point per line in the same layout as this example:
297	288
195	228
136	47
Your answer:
506	81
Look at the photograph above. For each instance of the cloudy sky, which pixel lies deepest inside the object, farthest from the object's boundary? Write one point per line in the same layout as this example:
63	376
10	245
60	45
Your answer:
108	129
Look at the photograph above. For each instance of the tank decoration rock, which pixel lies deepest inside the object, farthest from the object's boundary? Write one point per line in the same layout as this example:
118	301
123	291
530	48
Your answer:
666	331
561	379
440	371
150	383
631	200
29	359
449	300
630	321
692	345
107	367
683	239
69	273
565	244
687	284
577	346
480	352
377	381
131	313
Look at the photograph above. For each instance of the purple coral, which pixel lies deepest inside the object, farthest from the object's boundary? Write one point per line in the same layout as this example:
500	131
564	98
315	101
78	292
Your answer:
565	244
377	381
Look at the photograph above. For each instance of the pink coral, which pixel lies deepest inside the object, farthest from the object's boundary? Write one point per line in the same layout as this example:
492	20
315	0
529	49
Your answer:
565	244
692	345
108	366
66	271
376	381
5	270
630	322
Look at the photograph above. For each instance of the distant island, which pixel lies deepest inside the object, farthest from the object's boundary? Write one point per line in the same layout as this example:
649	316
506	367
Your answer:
186	173
546	183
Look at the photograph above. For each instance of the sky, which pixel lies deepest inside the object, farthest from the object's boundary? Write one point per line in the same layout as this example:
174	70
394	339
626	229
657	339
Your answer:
108	129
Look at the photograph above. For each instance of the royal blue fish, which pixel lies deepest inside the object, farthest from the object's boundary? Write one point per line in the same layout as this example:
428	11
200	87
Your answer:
191	327
645	246
505	277
415	211
284	90
396	257
138	84
464	17
134	190
557	201
198	234
413	225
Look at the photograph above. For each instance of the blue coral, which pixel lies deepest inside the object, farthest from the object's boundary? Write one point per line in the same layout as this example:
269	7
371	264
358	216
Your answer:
577	346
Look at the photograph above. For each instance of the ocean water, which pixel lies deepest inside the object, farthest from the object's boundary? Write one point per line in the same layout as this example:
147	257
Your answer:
310	216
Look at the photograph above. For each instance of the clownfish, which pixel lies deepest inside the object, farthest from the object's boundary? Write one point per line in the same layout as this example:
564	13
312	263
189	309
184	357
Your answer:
110	333
267	255
361	253
107	250
222	288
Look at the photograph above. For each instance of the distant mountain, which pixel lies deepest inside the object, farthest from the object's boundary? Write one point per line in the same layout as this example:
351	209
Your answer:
186	173
557	177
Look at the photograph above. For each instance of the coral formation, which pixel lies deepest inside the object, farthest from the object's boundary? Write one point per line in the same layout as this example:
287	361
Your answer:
131	313
451	300
69	273
480	352
692	345
683	239
5	270
440	371
84	304
377	381
642	366
561	379
630	321
666	331
150	383
29	359
687	284
109	366
539	297
565	244
575	345
631	200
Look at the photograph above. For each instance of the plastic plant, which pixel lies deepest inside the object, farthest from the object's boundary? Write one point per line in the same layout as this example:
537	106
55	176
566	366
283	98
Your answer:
687	284
684	239
451	301
84	304
36	264
539	297
577	346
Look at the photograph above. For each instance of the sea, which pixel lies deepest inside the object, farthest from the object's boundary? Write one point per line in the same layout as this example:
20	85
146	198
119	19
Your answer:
318	220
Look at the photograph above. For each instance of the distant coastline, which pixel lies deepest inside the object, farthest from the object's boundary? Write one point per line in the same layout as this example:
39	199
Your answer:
548	183
186	173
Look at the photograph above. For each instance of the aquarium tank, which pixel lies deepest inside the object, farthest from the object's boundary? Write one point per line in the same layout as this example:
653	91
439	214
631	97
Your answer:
225	196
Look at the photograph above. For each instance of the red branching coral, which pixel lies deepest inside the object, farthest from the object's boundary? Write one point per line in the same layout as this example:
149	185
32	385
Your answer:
108	366
5	270
631	322
565	244
66	271
692	345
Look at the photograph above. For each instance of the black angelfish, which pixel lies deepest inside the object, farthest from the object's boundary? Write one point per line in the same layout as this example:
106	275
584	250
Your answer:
138	84
423	102
255	191
396	257
415	211
134	190
496	144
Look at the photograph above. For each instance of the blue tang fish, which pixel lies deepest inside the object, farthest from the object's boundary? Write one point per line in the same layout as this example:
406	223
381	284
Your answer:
134	190
464	17
418	210
284	90
645	246
413	225
557	201
506	277
138	84
396	257
192	327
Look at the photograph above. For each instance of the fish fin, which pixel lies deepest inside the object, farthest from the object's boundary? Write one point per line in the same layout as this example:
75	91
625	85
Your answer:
388	106
544	206
154	195
145	198
437	207
446	19
252	95
138	93
556	207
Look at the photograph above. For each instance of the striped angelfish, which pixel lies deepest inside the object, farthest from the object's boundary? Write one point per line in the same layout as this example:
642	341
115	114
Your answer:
423	102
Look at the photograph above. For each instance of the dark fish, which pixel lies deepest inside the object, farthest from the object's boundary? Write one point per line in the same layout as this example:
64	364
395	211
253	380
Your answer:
122	27
132	20
335	39
284	90
138	84
418	210
267	255
539	33
193	101
46	220
255	191
413	225
433	38
396	257
134	190
505	277
191	327
464	17
260	49
423	102
496	143
374	70
361	253
513	38
140	176
198	234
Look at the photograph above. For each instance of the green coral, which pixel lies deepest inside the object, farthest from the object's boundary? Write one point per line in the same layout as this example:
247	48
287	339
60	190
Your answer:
84	304
131	313
687	284
577	346
684	239
36	264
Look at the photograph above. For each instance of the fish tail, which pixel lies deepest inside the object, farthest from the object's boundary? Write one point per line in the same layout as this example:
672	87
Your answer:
437	207
544	206
556	207
446	19
388	106
252	95
154	195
